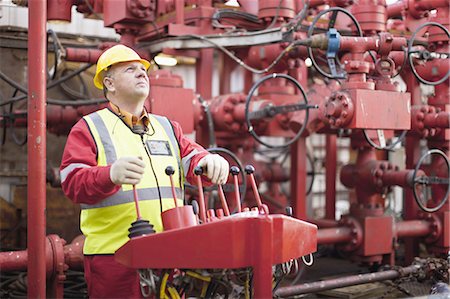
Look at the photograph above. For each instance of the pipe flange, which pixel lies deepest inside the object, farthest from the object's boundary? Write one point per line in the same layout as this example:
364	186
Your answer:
356	232
435	224
339	110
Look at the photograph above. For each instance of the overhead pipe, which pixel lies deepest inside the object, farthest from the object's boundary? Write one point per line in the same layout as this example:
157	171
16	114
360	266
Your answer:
37	94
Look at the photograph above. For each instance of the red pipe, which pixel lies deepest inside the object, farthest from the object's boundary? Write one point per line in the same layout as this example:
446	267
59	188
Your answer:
330	177
73	256
412	228
334	235
37	94
83	55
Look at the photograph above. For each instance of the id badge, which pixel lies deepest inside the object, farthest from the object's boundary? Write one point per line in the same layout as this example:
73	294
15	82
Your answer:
159	147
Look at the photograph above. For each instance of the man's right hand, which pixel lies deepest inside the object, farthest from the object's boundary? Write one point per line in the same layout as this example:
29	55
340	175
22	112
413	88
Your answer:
127	170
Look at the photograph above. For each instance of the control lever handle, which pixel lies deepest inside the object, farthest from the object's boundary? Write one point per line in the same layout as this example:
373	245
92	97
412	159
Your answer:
170	171
198	171
234	170
223	200
249	170
136	202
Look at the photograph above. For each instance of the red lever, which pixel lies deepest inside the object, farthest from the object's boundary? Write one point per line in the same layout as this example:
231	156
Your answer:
136	202
249	169
223	200
234	170
201	198
170	171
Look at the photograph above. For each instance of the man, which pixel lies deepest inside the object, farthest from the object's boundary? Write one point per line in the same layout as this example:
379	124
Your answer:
109	151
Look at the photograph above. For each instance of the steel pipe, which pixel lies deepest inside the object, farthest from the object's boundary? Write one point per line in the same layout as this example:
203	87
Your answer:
413	228
37	94
344	281
334	235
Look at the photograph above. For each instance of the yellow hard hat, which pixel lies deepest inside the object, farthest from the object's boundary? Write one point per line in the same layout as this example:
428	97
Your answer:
113	55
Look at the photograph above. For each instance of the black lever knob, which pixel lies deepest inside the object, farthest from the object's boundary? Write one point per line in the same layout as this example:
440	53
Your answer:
289	211
198	170
234	170
170	170
249	169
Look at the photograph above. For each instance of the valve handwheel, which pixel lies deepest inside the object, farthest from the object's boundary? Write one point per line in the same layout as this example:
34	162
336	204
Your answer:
270	111
383	145
430	180
331	55
425	54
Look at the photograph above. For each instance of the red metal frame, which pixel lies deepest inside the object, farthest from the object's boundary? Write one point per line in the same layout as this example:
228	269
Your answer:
232	242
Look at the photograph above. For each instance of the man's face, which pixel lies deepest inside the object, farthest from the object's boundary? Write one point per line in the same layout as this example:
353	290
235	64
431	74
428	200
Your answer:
128	80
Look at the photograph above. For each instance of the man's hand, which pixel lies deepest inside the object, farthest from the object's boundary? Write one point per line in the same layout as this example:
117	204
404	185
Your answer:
216	168
127	170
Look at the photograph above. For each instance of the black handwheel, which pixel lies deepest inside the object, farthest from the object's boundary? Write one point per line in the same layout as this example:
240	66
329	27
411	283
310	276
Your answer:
383	144
425	55
270	110
429	180
332	61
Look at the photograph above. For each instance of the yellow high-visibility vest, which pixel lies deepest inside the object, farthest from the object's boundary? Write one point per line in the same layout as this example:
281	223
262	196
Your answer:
106	223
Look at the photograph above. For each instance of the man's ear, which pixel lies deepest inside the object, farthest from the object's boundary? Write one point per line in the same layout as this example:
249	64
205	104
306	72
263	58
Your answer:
108	82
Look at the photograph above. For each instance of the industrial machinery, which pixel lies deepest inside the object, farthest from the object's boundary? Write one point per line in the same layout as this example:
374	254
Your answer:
287	86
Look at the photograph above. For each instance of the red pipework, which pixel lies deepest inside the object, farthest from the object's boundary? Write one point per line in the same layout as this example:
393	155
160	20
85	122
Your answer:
339	110
339	3
412	228
334	235
60	119
330	176
55	247
420	9
371	15
60	10
396	9
268	9
228	112
427	119
83	55
37	146
374	176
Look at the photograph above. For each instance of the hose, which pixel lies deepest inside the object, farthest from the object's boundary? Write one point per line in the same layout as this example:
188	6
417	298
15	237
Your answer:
211	135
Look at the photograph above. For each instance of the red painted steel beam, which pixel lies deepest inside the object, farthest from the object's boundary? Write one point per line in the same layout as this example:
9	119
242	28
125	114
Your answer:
37	94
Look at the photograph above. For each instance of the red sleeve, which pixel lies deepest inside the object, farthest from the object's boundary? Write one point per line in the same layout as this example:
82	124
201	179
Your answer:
188	147
81	179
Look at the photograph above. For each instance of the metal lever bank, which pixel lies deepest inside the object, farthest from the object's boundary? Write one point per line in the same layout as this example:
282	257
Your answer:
177	217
